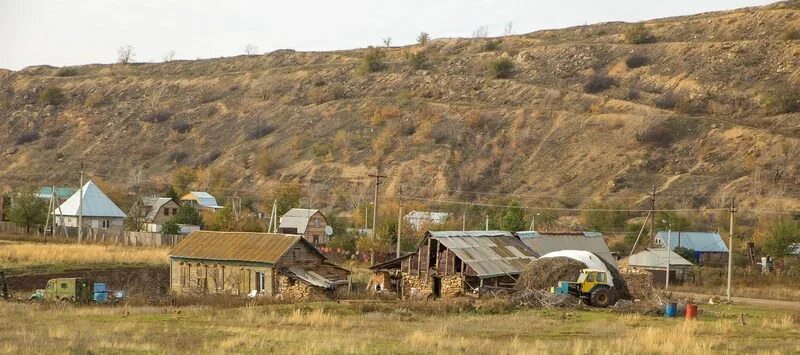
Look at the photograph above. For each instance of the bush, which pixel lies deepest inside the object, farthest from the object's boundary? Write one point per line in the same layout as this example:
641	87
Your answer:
423	38
322	94
157	116
96	99
597	83
178	156
782	99
181	126
52	96
418	60
209	157
264	163
667	101
260	131
67	71
636	60
638	34
633	94
491	45
170	227
373	61
791	34
501	68
659	135
27	137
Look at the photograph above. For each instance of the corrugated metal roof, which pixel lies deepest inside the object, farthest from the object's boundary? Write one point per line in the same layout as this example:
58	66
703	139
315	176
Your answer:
297	218
311	277
61	192
155	204
547	242
94	204
236	246
203	199
418	218
697	241
657	258
489	253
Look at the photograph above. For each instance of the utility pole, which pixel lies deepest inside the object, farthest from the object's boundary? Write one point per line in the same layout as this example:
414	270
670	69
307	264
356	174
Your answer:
669	253
49	208
399	222
378	176
80	208
730	248
653	215
487	222
463	221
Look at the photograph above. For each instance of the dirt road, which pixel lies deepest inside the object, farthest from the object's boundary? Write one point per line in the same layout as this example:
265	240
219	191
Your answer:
703	298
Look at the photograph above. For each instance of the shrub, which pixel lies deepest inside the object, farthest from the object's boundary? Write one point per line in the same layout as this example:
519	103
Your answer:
264	164
373	61
418	60
52	96
260	131
209	157
27	137
636	60
96	99
170	227
782	99
501	68
491	45
791	34
423	38
181	126
178	156
597	83
320	94
659	135
210	95
67	71
157	116
638	34
633	94
667	101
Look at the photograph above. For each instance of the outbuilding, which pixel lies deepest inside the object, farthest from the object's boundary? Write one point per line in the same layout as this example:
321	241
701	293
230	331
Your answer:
655	261
309	223
278	265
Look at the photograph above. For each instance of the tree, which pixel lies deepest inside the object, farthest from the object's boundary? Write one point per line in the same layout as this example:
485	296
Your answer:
509	29
187	214
171	193
182	178
781	237
373	61
685	253
250	49
423	38
223	220
678	222
170	56
288	196
387	41
480	32
170	227
28	211
125	54
514	218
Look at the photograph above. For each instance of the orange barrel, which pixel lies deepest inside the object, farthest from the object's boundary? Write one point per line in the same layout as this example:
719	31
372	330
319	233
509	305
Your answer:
691	311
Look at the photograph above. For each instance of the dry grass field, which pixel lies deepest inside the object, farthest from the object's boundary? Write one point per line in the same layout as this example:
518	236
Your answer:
37	257
338	328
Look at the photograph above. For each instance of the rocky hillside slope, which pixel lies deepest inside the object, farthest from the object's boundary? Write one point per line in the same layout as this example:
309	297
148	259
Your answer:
704	109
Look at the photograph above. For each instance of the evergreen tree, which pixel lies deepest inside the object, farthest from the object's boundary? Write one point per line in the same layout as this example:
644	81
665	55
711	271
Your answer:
187	214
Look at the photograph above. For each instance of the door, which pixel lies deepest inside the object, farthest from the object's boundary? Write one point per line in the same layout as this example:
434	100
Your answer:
437	286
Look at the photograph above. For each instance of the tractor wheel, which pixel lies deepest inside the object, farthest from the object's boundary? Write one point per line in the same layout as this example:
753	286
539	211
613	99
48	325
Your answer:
601	298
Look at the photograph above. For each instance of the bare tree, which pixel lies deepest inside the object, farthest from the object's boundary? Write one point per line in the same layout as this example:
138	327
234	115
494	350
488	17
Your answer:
423	38
509	29
170	56
250	49
387	41
125	54
481	32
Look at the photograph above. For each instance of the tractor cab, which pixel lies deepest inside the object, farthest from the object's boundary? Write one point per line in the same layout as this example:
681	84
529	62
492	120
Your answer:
592	287
590	278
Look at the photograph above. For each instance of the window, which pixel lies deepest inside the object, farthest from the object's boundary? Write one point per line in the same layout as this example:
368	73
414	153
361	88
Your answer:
590	277
316	239
601	277
260	280
106	224
63	285
316	222
166	211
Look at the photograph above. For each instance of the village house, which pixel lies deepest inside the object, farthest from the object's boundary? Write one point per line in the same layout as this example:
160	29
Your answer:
547	242
201	200
655	261
420	220
708	247
311	224
276	265
62	193
97	210
448	264
154	212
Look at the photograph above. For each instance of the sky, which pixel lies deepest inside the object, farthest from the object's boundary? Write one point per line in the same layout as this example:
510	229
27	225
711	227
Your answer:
61	32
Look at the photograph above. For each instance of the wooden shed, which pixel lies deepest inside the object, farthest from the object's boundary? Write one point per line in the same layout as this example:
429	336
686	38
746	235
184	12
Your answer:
449	264
279	265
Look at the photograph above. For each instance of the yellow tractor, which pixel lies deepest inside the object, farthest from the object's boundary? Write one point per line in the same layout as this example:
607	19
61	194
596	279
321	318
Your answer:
592	287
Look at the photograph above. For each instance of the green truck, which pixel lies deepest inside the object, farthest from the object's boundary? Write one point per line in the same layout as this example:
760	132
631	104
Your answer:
76	289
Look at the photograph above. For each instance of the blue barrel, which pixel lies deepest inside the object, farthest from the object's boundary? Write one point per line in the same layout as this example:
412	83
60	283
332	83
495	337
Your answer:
671	310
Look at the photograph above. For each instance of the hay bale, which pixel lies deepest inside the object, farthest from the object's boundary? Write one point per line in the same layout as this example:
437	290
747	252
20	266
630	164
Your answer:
543	273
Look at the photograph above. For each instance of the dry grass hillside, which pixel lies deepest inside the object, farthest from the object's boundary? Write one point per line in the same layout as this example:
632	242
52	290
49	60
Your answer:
703	107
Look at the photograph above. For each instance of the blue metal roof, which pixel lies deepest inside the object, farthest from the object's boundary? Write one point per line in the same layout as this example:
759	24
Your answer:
698	241
61	192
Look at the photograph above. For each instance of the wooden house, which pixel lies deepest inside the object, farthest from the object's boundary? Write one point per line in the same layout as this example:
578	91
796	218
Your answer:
309	223
448	264
154	212
277	265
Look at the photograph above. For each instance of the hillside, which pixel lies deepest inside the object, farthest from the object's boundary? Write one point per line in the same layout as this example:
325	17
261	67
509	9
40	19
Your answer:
703	111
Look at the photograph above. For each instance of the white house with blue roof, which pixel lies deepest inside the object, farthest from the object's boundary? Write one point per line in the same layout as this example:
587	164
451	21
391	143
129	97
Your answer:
708	247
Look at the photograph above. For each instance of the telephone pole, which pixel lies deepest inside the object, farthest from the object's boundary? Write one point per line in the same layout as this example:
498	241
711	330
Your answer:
730	248
378	176
80	208
653	215
399	222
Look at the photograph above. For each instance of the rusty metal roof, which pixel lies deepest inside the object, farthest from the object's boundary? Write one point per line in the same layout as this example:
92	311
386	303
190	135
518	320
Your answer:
546	242
489	253
236	246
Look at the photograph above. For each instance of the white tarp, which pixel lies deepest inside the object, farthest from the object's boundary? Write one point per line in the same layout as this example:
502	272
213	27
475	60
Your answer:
592	261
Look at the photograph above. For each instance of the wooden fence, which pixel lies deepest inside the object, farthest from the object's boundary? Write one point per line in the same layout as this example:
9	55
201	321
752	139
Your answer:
97	236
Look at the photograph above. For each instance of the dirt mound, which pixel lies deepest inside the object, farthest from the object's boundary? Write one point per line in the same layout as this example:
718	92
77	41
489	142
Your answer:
543	273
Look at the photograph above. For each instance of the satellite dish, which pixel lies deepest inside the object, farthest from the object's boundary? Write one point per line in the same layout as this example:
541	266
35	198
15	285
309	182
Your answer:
328	230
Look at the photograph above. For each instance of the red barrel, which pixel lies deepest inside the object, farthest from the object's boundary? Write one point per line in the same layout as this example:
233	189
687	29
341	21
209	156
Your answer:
691	311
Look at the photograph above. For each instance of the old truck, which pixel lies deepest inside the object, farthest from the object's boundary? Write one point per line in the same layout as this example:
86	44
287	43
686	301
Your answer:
77	290
592	287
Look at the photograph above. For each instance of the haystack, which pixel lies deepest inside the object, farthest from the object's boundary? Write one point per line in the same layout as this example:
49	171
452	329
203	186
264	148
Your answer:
543	273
